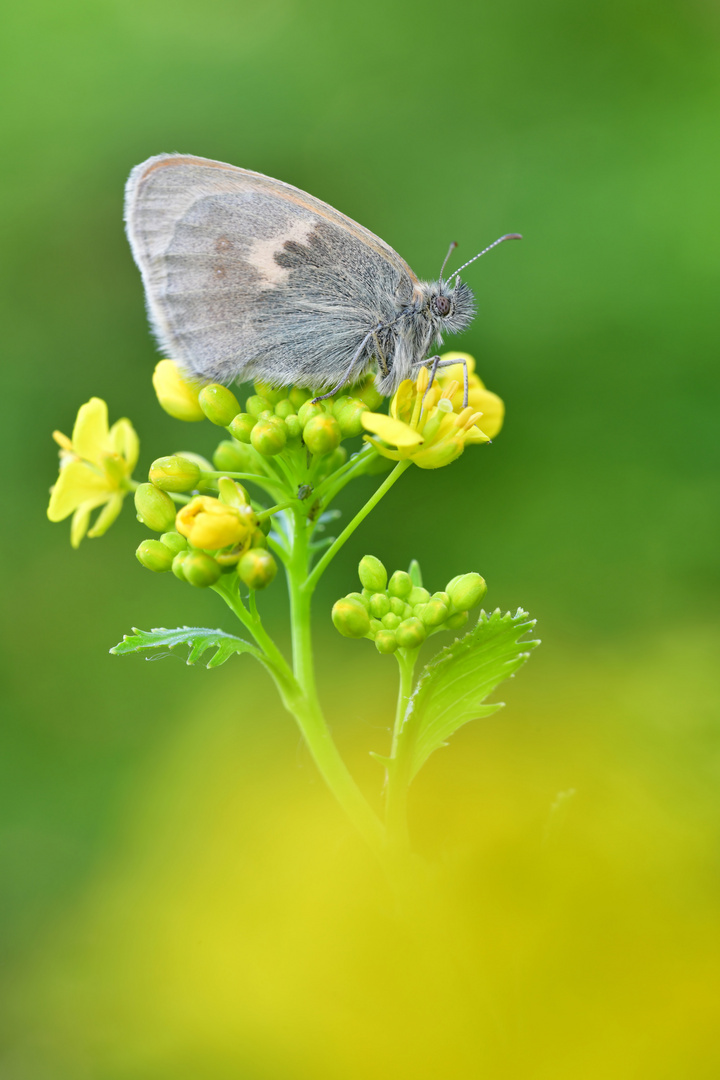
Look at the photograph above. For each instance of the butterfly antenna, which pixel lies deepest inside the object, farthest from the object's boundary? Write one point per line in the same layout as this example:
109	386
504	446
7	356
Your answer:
450	251
508	236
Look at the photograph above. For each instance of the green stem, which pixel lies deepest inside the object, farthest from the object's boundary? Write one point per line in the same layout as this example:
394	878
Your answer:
398	779
305	705
347	532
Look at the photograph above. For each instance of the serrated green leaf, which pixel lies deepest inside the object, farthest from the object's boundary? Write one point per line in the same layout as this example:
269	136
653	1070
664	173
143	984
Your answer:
198	639
453	686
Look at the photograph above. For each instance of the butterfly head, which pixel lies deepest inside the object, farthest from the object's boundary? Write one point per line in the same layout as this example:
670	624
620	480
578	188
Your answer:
449	307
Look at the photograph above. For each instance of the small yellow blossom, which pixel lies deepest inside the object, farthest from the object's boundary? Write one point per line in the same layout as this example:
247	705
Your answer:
431	427
177	395
479	399
96	467
210	524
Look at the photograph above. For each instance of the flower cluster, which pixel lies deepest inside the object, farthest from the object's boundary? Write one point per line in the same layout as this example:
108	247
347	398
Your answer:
400	613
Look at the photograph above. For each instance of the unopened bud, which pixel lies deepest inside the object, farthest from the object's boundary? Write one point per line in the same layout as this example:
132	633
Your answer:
256	568
200	569
410	634
457	620
269	436
177	395
211	524
379	605
273	394
466	591
322	434
174	473
219	404
360	599
418	595
310	409
368	392
232	456
350	618
177	565
348	413
284	408
372	574
398	606
154	508
240	427
386	642
298	395
400	584
434	613
232	493
174	542
391	621
256	405
153	555
294	428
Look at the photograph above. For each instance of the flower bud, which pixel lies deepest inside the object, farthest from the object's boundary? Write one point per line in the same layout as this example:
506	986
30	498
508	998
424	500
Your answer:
348	413
211	524
298	395
256	568
200	569
410	634
322	434
177	395
376	626
272	394
434	613
269	436
284	408
350	618
174	542
256	405
177	565
398	606
232	456
294	427
400	584
442	596
372	574
174	473
153	555
466	591
391	621
457	620
219	404
154	508
368	392
418	595
360	599
379	605
310	409
241	426
386	642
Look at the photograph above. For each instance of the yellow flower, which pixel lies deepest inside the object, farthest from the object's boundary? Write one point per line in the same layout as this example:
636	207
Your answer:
431	427
95	470
210	524
479	399
177	395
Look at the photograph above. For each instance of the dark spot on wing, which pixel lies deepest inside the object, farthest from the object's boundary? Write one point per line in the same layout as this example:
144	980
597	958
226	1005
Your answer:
223	244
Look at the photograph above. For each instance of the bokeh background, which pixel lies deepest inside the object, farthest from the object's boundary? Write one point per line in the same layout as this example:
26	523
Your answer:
180	897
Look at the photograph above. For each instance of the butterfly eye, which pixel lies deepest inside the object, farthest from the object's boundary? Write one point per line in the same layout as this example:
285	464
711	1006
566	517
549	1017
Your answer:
441	305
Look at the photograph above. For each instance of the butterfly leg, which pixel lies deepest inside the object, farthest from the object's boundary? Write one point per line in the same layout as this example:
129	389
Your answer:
348	374
436	363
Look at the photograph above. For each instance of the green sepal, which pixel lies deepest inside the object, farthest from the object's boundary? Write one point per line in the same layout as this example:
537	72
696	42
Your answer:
197	638
452	688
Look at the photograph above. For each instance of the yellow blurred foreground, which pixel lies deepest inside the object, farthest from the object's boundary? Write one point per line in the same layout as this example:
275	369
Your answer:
561	921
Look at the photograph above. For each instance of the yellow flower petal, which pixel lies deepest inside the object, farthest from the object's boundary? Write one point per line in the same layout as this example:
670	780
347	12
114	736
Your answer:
124	441
77	483
107	515
80	521
492	408
392	431
90	433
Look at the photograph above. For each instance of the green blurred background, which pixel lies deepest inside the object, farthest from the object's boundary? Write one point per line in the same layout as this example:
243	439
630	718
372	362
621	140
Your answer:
179	896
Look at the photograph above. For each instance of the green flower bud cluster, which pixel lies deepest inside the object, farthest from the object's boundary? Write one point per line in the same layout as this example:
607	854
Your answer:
400	613
278	417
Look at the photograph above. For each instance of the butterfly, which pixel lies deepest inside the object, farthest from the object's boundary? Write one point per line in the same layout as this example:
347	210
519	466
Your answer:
250	278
